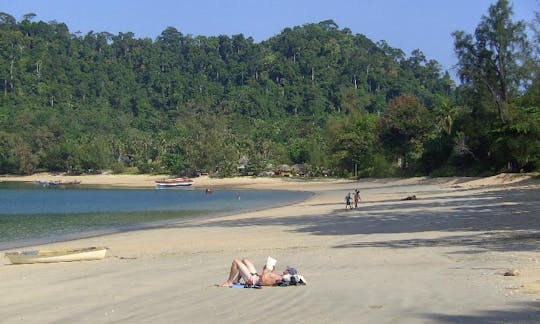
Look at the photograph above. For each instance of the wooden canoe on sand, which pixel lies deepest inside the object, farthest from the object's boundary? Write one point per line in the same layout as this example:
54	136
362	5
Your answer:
44	256
176	182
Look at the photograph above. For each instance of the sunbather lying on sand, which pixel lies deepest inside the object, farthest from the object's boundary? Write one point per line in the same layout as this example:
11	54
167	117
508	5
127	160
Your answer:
246	270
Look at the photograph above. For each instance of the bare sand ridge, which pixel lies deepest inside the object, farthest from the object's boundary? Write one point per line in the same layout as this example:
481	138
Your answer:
440	258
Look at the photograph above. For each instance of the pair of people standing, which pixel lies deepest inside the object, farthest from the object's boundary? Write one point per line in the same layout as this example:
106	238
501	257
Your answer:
356	198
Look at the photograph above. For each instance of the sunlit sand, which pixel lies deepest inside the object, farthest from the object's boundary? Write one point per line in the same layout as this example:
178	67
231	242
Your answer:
441	258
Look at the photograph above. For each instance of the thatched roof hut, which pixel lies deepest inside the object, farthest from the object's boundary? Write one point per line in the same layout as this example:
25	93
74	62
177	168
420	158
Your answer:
283	170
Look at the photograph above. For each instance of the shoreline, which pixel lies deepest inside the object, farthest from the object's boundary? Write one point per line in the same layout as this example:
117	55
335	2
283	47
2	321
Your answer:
440	258
155	224
148	181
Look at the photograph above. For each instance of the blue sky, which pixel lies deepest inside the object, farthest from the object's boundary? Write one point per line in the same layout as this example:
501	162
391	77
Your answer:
405	24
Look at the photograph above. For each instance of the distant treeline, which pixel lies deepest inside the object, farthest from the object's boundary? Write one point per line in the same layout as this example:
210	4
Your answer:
315	95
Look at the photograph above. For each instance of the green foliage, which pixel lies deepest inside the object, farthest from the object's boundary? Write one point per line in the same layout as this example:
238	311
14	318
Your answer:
315	95
382	168
118	168
299	151
404	128
352	143
500	130
517	144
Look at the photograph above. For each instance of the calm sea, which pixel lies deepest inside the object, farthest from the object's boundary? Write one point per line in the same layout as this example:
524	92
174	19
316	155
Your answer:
31	214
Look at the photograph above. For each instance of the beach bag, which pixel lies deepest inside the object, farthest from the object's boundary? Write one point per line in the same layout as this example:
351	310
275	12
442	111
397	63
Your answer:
292	278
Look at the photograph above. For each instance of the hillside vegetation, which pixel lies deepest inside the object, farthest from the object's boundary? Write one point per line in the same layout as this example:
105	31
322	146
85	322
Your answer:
315	95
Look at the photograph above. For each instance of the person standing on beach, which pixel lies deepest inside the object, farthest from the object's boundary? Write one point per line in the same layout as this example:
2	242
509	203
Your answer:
356	197
348	201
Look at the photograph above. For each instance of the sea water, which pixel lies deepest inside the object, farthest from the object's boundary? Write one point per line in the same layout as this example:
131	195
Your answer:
31	214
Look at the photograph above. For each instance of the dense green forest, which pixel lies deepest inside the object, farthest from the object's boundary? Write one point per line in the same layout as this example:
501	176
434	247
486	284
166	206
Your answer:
316	96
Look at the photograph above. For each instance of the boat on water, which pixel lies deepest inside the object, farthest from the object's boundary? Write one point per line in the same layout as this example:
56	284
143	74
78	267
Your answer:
47	183
174	182
50	256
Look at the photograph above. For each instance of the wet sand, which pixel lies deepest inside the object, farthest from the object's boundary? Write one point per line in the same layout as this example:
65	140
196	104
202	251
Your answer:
438	259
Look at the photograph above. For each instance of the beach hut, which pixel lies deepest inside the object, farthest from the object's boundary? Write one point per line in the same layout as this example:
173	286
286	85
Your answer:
284	170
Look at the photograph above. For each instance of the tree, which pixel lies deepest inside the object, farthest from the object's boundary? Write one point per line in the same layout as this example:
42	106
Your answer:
403	129
494	66
352	143
490	60
72	102
7	19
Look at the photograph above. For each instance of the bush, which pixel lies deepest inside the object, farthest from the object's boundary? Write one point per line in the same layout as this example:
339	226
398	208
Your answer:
444	171
118	168
147	167
382	168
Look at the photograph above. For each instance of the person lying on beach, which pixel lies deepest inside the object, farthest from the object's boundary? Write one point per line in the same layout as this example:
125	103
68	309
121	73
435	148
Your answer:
246	270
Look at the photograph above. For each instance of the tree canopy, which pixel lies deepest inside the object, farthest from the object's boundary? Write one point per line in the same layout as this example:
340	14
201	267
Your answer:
313	95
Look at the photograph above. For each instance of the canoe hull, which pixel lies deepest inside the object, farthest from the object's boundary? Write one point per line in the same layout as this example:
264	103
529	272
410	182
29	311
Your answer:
43	256
177	184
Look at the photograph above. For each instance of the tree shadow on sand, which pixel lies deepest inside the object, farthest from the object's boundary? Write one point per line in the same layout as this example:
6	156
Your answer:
511	220
525	313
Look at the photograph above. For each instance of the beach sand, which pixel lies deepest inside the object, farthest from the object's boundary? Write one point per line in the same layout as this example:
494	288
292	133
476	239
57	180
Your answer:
438	259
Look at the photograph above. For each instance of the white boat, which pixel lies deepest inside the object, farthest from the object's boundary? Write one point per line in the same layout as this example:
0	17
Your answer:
176	182
47	183
49	256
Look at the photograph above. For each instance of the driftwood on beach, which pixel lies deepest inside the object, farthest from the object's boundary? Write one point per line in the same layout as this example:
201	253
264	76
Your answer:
413	197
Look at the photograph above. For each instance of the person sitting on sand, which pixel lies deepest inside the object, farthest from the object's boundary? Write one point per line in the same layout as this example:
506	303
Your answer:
246	270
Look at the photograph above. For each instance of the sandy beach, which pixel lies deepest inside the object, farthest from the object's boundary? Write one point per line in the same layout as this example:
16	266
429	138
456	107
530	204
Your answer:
438	259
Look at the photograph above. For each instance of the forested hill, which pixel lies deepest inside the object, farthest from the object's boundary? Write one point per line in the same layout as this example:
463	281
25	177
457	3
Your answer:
316	95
